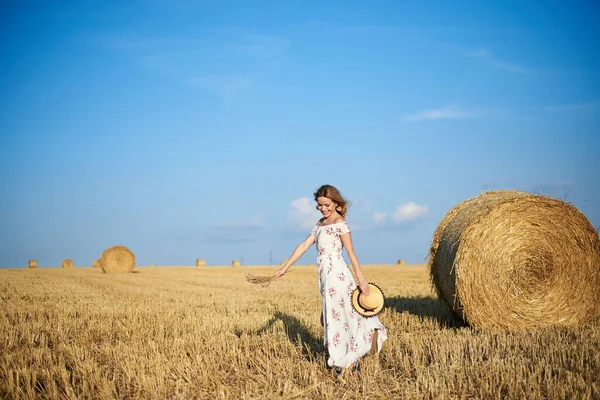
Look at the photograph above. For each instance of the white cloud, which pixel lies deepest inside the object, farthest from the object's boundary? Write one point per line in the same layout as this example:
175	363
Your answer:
484	54
303	214
379	217
440	113
409	212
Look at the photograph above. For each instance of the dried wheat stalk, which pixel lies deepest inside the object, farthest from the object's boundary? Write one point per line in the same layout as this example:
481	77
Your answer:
264	281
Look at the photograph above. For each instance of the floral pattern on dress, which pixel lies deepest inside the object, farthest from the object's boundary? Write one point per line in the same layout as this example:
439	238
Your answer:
347	334
335	314
336	339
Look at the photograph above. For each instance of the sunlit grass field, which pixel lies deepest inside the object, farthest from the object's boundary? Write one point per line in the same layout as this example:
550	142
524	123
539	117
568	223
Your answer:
187	332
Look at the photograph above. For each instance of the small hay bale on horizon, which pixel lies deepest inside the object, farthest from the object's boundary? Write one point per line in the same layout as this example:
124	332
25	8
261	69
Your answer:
400	262
96	264
152	265
32	264
117	259
513	260
235	264
200	262
68	263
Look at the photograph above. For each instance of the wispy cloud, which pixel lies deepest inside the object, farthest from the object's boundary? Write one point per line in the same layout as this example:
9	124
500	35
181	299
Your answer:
440	113
223	85
225	65
495	62
256	222
235	232
263	46
224	233
592	106
131	43
303	214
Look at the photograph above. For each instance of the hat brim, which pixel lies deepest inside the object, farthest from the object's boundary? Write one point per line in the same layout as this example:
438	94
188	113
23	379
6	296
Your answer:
362	311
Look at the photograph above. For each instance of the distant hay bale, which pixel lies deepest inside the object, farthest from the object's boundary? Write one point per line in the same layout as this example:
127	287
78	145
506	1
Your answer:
68	263
510	259
200	262
33	264
117	259
96	264
235	263
152	265
401	262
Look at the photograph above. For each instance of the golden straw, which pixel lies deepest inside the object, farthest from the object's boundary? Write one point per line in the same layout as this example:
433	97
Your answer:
264	281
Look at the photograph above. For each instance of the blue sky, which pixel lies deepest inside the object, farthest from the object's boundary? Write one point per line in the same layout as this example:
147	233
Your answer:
187	129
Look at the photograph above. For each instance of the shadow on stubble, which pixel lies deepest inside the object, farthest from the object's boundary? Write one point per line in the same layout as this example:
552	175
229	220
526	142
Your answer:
298	333
426	308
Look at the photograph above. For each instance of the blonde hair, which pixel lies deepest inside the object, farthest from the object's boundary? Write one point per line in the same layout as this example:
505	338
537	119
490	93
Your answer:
333	194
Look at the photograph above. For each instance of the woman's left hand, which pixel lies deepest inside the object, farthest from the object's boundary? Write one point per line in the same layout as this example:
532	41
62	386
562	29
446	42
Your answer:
364	287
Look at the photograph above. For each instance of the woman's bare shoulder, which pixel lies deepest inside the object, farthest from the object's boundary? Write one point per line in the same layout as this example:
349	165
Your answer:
335	222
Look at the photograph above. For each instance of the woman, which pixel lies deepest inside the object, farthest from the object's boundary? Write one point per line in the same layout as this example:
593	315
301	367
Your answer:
348	335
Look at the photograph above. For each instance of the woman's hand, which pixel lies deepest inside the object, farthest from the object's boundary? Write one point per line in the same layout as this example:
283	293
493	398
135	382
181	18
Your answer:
363	285
281	272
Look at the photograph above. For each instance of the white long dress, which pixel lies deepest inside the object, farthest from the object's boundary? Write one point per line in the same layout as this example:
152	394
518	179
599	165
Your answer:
348	335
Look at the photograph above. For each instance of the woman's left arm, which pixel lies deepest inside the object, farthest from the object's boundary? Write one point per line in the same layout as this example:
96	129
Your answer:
362	282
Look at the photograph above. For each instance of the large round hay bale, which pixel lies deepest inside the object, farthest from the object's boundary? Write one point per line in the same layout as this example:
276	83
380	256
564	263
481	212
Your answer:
235	263
510	259
33	264
200	262
96	264
68	263
117	259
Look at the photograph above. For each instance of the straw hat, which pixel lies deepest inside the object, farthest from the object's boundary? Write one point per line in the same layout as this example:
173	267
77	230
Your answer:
370	305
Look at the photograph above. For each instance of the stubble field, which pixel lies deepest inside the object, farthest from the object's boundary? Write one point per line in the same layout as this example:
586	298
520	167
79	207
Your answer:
185	332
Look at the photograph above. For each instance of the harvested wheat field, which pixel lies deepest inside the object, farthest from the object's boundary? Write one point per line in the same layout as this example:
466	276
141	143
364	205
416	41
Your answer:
192	332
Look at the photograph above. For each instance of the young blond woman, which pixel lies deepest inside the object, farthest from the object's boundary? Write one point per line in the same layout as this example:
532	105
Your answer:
348	335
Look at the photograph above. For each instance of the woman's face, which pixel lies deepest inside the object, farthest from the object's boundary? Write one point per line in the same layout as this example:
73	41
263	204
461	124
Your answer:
326	206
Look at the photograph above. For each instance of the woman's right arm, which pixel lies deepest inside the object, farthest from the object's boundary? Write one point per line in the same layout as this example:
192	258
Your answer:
298	252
